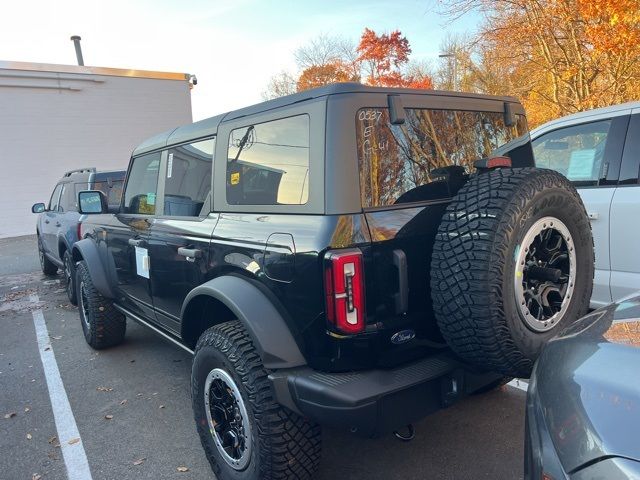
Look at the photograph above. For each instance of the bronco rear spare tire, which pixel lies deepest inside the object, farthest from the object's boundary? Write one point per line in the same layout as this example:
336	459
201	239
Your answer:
512	264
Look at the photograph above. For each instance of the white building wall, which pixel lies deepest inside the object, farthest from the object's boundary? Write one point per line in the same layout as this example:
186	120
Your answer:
54	122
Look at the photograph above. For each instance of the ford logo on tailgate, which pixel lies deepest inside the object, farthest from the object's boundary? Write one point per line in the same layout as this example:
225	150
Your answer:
403	336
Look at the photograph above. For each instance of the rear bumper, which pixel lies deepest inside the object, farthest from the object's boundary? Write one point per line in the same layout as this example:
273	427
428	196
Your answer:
377	401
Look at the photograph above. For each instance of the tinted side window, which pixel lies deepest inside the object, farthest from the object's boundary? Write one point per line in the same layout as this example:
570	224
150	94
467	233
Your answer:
111	189
577	152
187	186
268	163
630	170
54	200
69	198
142	185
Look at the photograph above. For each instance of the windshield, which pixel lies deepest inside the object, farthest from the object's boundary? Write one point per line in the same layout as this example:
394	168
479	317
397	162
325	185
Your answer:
418	159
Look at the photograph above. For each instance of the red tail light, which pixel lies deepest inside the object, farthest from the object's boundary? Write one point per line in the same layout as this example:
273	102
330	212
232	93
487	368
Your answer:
344	290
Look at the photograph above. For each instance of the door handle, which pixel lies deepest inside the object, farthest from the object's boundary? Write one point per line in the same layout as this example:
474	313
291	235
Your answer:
190	253
136	242
58	224
593	215
46	221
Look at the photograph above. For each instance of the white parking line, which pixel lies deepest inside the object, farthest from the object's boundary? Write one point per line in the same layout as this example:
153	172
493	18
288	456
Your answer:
75	458
520	384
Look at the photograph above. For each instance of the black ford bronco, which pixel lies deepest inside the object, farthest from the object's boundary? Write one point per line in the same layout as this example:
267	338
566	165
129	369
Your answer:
348	256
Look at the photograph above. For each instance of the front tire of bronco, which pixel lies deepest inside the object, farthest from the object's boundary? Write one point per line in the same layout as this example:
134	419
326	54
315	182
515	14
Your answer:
102	324
245	434
512	264
48	267
70	278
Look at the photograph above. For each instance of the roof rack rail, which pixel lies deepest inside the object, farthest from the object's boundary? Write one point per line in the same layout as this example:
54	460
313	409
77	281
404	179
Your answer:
80	170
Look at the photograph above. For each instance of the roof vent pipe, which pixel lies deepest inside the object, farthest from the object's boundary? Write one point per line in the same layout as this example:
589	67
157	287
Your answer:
76	43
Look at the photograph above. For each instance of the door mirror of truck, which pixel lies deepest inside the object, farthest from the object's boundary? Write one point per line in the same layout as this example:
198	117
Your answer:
92	201
38	208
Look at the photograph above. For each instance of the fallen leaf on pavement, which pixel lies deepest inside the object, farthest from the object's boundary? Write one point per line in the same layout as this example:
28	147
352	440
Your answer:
57	338
36	476
53	440
108	417
161	406
140	461
182	469
10	415
123	401
73	441
27	409
104	389
29	436
47	349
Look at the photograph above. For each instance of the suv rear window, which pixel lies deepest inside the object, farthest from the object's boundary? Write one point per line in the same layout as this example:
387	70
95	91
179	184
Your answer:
396	159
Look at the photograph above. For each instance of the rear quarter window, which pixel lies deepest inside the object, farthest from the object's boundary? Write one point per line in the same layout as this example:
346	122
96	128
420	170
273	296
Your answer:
268	163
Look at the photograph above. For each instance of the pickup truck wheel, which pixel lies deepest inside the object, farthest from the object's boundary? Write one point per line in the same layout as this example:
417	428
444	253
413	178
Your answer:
48	267
244	432
102	324
512	264
70	277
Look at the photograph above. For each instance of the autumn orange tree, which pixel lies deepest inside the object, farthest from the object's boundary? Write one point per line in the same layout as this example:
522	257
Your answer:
558	56
381	60
318	75
383	57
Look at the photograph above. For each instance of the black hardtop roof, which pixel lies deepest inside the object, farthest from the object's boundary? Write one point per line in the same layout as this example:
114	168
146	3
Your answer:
209	126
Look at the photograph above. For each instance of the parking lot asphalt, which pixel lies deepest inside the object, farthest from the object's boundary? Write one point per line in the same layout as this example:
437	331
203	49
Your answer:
132	406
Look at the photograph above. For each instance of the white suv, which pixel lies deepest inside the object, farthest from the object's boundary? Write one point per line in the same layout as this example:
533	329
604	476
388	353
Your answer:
599	151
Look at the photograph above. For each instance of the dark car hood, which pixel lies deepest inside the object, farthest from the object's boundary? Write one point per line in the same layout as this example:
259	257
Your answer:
588	385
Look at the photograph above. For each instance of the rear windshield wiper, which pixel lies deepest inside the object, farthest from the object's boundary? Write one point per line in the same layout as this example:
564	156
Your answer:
243	142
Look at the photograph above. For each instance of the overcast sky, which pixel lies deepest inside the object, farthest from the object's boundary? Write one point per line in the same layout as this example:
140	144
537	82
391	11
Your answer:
233	46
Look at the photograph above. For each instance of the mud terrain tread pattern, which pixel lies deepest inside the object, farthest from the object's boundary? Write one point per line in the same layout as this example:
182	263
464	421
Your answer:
108	325
290	446
467	297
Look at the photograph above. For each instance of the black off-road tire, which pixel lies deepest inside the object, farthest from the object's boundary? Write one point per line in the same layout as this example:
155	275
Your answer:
473	267
70	277
49	268
102	324
283	444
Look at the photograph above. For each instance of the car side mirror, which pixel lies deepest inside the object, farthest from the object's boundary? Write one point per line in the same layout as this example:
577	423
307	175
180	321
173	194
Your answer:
92	201
38	208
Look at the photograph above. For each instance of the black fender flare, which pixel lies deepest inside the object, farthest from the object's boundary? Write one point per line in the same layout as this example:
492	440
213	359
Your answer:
87	250
268	330
62	239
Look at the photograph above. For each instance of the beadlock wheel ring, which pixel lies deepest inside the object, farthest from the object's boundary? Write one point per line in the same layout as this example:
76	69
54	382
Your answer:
545	274
228	419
